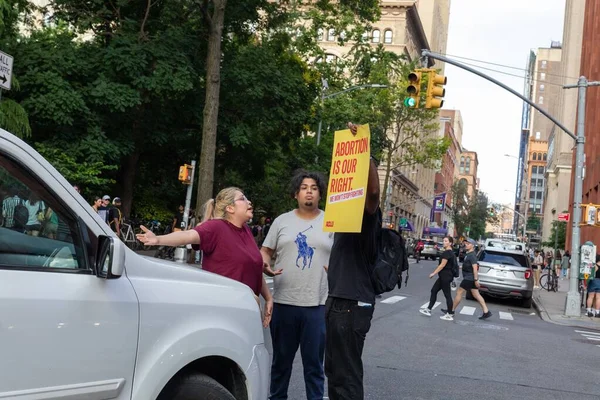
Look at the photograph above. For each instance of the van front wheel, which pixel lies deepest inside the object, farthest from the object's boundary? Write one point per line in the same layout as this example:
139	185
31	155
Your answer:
195	387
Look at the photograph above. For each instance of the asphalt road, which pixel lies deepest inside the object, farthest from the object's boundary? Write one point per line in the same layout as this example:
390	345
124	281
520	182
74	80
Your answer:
514	354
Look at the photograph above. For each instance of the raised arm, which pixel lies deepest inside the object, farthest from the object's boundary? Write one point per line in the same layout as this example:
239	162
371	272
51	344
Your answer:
180	238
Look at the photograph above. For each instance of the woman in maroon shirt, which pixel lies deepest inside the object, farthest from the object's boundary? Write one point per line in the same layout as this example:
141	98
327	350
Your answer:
226	241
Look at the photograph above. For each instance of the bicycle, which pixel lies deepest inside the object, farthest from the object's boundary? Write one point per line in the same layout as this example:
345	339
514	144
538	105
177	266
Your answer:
549	281
128	237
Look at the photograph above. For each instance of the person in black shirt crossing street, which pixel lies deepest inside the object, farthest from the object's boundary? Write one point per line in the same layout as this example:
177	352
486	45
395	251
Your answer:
349	307
470	270
445	277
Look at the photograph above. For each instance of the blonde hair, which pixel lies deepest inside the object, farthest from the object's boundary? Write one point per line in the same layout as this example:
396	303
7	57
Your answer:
216	208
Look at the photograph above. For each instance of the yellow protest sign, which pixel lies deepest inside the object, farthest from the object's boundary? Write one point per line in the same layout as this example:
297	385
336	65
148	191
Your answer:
348	181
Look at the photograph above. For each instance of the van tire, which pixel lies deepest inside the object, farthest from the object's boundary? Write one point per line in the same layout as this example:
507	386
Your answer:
526	303
195	387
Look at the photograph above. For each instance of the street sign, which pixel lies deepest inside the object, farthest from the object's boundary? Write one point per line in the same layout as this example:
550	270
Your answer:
564	217
6	64
403	222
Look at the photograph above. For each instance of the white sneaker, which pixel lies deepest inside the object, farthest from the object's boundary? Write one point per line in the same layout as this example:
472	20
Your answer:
447	317
425	311
453	285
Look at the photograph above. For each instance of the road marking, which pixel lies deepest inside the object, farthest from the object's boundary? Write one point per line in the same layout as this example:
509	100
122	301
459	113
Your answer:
505	315
590	333
394	299
596	338
466	310
437	303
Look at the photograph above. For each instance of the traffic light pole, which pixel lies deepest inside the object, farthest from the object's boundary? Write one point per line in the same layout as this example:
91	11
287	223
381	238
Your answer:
572	307
181	251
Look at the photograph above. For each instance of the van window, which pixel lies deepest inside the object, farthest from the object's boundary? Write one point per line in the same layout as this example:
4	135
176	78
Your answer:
36	230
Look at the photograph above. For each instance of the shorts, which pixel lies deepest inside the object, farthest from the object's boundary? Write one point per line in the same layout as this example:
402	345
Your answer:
468	285
594	286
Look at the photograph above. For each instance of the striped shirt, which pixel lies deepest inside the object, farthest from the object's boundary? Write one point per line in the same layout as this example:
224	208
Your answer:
8	210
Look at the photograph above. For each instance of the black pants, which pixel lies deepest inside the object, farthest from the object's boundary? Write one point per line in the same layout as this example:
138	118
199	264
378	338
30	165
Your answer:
443	283
347	325
291	327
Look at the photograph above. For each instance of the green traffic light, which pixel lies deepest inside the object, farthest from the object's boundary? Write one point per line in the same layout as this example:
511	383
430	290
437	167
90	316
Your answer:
409	102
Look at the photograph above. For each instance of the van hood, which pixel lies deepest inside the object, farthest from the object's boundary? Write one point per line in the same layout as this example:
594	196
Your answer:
145	267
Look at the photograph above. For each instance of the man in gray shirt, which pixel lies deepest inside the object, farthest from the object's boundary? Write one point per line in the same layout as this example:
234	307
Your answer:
301	250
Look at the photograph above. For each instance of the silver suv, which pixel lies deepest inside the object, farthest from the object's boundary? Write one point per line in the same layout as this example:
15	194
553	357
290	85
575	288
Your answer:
505	273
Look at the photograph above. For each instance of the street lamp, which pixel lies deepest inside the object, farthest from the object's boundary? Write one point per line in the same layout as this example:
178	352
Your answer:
325	86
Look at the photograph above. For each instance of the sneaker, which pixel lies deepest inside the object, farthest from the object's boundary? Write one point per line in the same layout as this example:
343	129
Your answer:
598	315
453	285
444	311
425	311
590	314
486	315
447	317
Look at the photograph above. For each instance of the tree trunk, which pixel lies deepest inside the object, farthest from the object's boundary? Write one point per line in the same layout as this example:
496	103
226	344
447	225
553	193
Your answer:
211	108
128	180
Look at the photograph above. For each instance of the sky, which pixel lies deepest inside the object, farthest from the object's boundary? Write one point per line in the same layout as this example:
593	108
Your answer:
501	32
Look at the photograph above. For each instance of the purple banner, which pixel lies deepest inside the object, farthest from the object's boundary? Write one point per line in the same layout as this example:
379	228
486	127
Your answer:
439	203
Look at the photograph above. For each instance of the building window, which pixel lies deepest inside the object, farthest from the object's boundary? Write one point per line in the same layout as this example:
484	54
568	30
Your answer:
320	34
331	35
545	156
533	184
387	36
542	87
541	100
534	157
534	170
538	135
538	195
538	207
540	182
343	35
540	156
543	76
541	170
376	36
532	195
544	64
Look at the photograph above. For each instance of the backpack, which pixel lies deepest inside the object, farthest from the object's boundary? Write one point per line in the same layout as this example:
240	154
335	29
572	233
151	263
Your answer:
391	262
454	267
20	216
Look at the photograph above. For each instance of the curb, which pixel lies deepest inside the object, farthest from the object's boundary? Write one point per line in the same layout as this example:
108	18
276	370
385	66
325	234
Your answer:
545	316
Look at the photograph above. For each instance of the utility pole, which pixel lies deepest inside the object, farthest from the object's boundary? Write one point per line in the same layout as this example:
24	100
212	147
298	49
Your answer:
181	251
572	308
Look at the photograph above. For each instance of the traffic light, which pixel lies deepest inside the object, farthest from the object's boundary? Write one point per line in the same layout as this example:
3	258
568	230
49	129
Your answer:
185	174
492	212
413	89
435	90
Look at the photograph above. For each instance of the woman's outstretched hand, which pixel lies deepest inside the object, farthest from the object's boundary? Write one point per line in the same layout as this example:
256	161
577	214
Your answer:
148	238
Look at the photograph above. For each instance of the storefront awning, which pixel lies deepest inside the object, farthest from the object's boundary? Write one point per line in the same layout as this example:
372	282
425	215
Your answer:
429	231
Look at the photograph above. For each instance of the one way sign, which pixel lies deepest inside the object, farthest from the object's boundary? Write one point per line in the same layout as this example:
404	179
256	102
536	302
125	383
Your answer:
6	64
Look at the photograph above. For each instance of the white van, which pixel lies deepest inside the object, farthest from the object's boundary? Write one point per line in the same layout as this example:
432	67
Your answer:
84	317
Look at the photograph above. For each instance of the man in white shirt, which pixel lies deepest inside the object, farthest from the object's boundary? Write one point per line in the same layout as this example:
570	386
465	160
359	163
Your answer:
302	253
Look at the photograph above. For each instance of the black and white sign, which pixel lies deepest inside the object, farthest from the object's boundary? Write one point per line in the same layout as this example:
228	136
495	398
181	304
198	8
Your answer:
6	64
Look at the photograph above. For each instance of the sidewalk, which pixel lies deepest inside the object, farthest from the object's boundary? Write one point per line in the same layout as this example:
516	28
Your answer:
551	307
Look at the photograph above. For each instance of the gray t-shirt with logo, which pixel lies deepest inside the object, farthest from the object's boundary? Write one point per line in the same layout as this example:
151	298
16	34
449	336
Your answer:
302	250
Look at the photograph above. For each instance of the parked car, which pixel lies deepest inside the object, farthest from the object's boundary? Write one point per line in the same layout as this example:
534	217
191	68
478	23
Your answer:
83	316
505	273
430	249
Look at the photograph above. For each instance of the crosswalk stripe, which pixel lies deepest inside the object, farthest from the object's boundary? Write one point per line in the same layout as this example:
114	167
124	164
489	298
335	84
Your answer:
466	310
505	315
589	333
596	338
393	299
437	303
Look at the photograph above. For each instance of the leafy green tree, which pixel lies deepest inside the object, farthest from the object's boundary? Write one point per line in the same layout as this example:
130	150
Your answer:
534	223
558	235
470	212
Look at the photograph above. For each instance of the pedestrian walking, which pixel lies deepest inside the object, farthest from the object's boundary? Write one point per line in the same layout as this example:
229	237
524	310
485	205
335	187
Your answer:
538	264
470	282
302	252
565	263
226	242
351	301
593	300
445	274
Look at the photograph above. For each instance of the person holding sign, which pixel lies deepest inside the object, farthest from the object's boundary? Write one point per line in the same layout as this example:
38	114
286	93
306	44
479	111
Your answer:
349	307
302	252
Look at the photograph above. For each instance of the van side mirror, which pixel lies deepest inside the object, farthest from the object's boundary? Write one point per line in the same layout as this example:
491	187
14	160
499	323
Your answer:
110	259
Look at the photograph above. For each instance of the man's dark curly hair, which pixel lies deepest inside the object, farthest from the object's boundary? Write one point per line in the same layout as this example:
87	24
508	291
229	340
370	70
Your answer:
300	175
